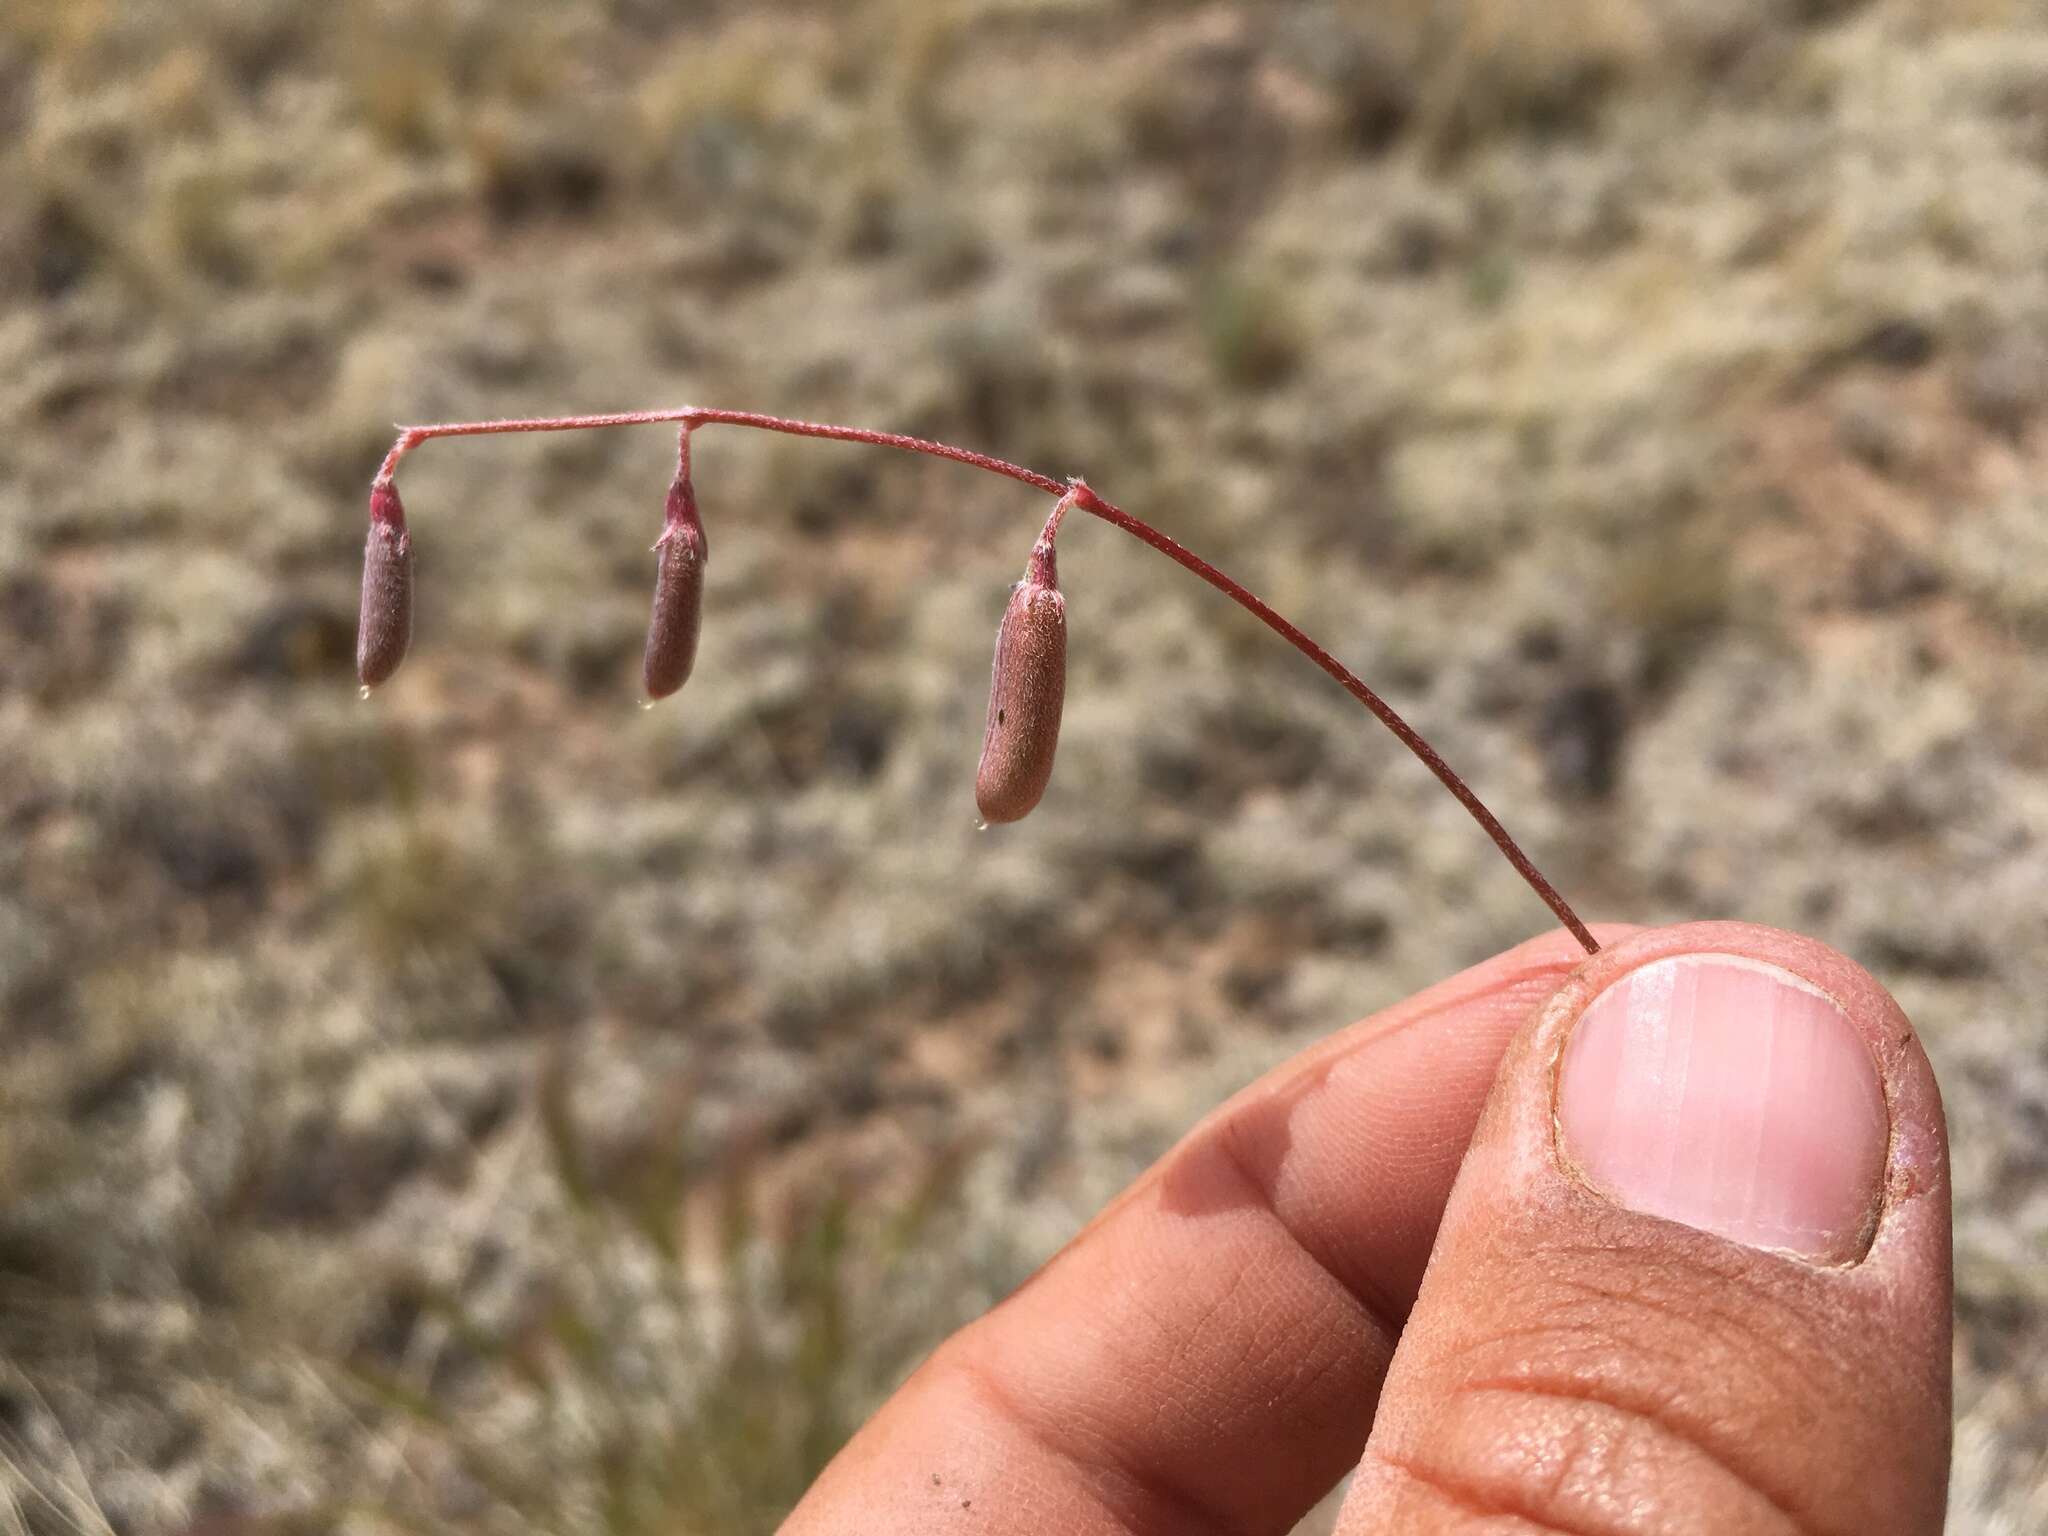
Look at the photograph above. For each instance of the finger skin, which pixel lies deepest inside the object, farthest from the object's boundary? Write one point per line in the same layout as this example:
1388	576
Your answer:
1206	1355
1572	1366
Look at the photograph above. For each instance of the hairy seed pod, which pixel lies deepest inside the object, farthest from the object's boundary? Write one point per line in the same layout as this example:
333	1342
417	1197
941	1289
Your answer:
681	554
1026	693
384	628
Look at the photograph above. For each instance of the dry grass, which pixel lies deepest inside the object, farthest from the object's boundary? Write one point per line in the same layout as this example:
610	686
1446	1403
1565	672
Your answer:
681	1367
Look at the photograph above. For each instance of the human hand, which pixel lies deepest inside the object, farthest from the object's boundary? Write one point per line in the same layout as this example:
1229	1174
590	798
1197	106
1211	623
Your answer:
1655	1242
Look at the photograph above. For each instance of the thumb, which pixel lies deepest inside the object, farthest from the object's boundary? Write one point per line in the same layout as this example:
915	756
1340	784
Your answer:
1694	1273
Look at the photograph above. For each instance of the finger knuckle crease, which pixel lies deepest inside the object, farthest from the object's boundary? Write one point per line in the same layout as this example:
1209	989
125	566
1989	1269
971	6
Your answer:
1656	1420
1452	1487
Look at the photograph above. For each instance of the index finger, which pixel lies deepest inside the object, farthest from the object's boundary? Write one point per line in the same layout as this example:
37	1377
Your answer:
1207	1354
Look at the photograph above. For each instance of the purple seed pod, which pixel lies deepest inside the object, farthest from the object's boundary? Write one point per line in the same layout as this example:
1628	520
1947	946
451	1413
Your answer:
384	629
681	554
1026	693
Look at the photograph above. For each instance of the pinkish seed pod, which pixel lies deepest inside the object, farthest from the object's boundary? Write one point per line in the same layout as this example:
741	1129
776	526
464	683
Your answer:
1026	693
681	554
384	628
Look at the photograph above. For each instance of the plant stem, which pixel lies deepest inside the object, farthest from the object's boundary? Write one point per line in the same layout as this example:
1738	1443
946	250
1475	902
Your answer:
1355	686
410	438
1075	493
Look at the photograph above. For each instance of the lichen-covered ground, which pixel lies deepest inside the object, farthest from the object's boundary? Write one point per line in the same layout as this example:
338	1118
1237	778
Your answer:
493	1107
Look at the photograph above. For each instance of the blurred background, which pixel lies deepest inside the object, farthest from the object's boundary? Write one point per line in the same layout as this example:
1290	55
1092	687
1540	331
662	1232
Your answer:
493	1107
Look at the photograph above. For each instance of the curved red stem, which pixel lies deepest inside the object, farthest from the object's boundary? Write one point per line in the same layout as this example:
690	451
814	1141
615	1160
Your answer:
1352	684
1075	493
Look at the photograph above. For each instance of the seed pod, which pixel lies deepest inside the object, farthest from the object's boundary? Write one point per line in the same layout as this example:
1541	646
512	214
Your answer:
1026	692
681	554
384	628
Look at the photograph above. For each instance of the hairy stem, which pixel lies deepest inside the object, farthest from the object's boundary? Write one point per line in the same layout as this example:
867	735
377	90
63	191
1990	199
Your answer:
1075	494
